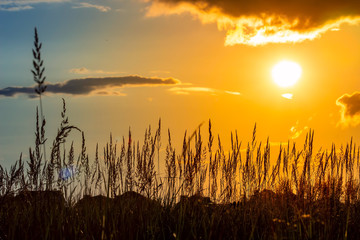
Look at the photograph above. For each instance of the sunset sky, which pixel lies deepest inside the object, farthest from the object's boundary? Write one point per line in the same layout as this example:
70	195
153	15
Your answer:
127	63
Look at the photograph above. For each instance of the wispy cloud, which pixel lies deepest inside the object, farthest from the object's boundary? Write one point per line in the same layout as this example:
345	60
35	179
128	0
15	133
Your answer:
9	8
233	93
86	71
21	5
297	130
159	72
349	109
91	86
188	90
265	21
287	96
101	8
26	2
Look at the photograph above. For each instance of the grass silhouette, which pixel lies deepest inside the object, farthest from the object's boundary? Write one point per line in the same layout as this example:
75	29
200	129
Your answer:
207	192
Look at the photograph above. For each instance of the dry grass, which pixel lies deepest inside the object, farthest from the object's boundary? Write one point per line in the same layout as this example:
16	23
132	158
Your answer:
235	194
207	192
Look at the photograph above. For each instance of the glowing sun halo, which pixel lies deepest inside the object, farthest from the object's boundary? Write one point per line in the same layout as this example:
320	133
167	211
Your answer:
286	73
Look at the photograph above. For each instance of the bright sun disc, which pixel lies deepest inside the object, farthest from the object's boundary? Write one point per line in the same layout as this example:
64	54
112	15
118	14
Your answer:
286	73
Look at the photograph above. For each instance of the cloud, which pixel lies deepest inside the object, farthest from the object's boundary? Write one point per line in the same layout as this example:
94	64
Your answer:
159	72
188	90
12	91
91	86
265	21
15	8
21	5
287	96
101	8
349	109
233	93
16	5
296	130
84	70
26	2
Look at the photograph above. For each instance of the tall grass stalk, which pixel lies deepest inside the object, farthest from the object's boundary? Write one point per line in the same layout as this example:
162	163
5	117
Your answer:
39	78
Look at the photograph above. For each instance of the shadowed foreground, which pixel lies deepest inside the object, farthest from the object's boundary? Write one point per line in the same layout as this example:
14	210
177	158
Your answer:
265	215
205	192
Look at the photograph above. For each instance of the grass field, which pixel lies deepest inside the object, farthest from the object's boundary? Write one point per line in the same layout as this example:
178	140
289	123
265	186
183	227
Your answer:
207	192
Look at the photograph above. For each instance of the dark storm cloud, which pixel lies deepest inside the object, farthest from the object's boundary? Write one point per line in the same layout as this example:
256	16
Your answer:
312	12
89	86
258	22
350	108
11	91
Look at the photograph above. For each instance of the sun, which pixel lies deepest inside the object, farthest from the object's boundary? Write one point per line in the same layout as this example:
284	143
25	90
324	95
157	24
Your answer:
286	73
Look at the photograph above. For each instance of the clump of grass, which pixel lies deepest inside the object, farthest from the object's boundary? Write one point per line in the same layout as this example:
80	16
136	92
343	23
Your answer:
208	192
301	194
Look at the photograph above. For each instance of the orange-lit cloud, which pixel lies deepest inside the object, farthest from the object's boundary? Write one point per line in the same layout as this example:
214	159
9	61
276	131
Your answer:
101	8
188	90
296	130
86	71
233	93
287	95
265	21
159	72
350	109
91	86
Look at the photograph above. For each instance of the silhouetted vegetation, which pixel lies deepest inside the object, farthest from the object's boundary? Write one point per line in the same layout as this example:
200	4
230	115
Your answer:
207	192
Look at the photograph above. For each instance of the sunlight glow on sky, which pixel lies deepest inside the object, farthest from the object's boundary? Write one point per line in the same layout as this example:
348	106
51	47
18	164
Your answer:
286	73
121	64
